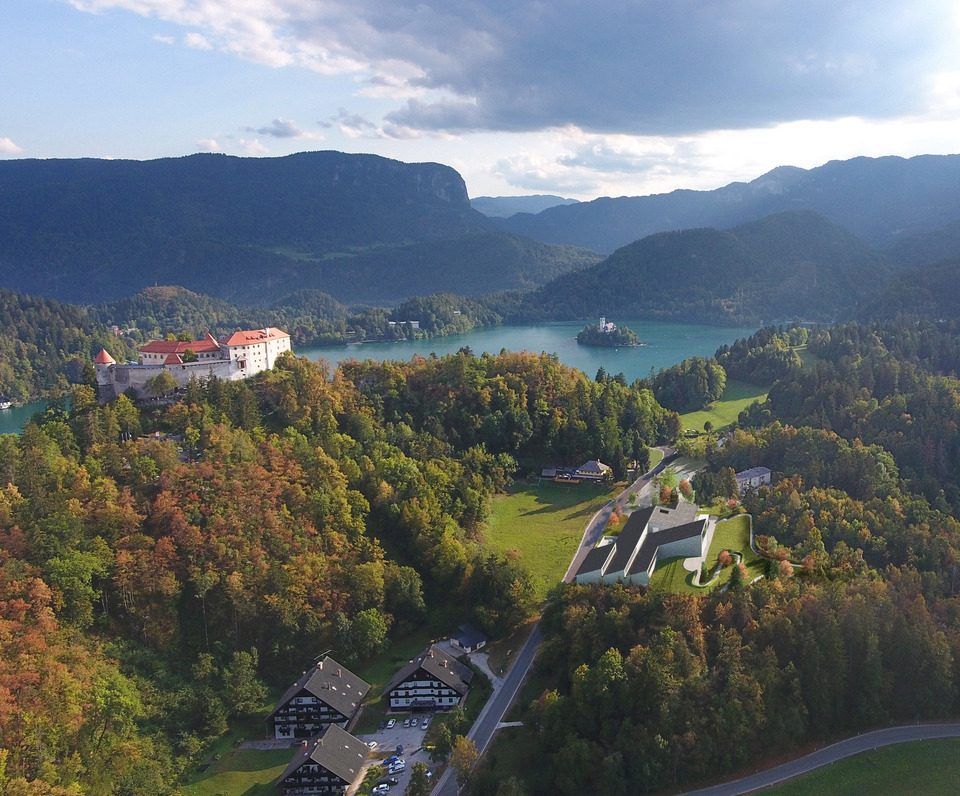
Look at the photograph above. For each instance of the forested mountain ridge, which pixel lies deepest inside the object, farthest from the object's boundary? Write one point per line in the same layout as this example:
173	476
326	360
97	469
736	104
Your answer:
360	227
791	264
880	200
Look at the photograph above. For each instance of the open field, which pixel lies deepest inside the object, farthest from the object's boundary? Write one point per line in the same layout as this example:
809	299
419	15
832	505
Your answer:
249	772
911	769
545	523
737	396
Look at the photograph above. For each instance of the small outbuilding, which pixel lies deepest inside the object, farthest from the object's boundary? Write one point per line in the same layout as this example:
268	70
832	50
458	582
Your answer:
468	639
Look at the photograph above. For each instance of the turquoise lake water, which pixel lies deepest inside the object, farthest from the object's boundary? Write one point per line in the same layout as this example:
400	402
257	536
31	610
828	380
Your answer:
665	344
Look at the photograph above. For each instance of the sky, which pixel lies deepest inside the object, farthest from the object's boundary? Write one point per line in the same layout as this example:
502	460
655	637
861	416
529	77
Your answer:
568	97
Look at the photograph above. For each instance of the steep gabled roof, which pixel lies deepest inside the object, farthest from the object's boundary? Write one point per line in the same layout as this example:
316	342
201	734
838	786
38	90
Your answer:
469	636
336	750
439	665
173	359
330	682
253	336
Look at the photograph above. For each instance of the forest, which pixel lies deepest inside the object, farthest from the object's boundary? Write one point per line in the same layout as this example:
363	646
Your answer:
859	627
152	585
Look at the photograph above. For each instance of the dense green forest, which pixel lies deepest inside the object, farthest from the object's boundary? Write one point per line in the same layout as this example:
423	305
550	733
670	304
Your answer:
151	587
858	627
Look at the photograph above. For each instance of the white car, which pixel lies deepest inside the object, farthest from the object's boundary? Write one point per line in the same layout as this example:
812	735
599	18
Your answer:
396	768
381	788
391	723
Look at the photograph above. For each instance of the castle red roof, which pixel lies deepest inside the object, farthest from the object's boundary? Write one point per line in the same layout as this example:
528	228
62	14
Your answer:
253	336
103	358
209	343
173	359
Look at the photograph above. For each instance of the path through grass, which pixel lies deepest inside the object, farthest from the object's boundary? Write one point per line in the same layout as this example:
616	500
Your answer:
545	523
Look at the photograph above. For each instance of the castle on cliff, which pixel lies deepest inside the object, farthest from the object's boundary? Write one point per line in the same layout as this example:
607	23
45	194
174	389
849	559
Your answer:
236	356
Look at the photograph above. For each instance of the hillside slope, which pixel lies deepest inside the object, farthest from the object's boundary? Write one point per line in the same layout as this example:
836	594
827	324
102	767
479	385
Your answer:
880	200
792	264
252	229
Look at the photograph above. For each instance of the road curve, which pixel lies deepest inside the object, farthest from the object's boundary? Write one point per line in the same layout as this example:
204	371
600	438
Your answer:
830	754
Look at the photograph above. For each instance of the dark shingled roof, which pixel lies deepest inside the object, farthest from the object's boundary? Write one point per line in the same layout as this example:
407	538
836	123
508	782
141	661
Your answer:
469	636
595	559
439	665
336	750
330	682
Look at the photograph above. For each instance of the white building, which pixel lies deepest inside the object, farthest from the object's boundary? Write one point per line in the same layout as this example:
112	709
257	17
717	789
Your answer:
236	356
649	535
752	478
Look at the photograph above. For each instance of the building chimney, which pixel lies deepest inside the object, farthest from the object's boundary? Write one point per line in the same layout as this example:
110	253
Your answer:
304	746
443	664
339	672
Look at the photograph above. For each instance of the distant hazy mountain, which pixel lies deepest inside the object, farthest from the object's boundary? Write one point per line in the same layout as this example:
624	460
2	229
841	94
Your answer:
790	265
929	291
505	206
251	230
880	200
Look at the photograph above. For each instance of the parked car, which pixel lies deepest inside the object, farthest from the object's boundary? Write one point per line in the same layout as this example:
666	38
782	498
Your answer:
425	722
382	725
391	760
396	768
391	781
406	722
391	723
381	788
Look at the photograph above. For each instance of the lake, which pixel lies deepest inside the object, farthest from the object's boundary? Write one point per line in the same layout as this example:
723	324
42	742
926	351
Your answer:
665	344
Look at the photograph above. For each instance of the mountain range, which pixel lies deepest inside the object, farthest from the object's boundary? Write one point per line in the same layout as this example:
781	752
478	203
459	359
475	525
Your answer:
818	244
880	200
359	227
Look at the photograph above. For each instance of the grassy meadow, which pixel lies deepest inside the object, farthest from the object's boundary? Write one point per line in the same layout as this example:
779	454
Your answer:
737	396
545	523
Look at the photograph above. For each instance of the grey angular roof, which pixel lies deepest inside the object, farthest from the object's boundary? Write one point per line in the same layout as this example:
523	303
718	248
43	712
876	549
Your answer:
438	664
654	540
594	466
753	472
336	750
330	682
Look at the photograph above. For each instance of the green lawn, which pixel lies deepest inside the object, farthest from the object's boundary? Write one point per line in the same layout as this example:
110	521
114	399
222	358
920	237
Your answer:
737	396
656	456
545	523
249	772
733	535
912	769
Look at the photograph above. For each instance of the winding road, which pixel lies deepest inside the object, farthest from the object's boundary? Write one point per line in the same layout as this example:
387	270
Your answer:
493	712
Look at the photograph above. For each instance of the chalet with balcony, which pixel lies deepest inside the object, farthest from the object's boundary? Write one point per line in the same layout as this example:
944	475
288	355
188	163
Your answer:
329	764
327	694
435	680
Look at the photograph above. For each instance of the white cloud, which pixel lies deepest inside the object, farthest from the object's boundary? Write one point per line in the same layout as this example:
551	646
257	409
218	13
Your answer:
285	128
164	39
7	147
654	69
209	145
253	148
197	41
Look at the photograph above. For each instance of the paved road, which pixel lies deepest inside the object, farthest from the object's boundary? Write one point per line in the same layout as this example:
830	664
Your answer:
493	712
643	487
830	754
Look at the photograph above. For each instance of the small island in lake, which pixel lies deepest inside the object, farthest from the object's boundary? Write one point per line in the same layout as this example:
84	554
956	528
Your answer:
608	334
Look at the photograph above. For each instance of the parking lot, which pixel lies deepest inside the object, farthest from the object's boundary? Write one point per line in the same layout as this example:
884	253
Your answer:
410	738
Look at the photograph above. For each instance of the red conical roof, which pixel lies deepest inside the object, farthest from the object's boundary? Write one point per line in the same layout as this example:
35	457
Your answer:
103	358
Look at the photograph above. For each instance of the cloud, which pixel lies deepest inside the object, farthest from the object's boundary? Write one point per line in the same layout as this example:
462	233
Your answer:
209	145
253	148
7	147
197	41
645	69
164	39
284	128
